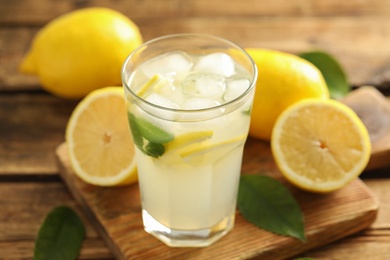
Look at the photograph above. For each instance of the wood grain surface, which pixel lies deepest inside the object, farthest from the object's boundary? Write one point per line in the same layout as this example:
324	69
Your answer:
116	214
349	31
33	122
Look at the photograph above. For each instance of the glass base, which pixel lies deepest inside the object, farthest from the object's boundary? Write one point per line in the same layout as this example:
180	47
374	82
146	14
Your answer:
187	238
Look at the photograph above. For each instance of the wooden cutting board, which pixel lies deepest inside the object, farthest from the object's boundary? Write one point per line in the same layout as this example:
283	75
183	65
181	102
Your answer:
116	214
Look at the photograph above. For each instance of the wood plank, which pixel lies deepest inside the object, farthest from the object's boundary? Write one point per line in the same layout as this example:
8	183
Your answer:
14	43
381	188
369	244
362	64
366	61
32	126
94	249
116	213
28	206
24	206
373	243
39	12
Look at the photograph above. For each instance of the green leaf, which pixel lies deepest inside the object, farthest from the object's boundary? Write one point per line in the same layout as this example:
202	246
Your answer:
60	236
143	130
247	112
150	131
137	136
154	150
332	71
268	204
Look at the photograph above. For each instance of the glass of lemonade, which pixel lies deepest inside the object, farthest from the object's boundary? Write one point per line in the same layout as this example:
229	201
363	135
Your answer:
189	98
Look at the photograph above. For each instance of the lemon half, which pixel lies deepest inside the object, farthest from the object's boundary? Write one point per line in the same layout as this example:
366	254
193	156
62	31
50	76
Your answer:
101	149
320	145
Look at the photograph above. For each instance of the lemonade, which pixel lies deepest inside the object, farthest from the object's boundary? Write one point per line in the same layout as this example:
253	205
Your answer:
189	99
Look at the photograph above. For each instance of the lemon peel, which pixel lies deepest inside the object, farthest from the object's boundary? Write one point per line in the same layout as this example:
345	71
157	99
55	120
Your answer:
206	147
148	85
186	139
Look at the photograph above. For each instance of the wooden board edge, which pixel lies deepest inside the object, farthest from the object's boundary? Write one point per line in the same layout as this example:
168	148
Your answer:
360	223
379	160
367	218
60	151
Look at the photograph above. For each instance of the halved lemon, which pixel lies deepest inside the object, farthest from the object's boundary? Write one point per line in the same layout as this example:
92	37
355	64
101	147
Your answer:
101	149
320	145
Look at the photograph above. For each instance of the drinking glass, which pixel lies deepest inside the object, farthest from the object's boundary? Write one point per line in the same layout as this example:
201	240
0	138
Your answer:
189	98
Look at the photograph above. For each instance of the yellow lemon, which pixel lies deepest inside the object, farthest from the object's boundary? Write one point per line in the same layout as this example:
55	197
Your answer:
101	149
283	79
81	51
320	145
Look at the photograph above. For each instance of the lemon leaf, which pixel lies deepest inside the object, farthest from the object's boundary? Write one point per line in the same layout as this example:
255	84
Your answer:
60	236
333	73
268	204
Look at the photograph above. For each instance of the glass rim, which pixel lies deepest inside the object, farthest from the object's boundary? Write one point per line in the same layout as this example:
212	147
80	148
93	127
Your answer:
189	111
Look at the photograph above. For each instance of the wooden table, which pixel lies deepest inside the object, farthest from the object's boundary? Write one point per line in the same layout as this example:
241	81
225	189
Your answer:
33	121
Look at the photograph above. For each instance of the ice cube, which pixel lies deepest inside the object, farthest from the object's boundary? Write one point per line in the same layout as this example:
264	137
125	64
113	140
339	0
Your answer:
161	101
170	91
216	63
235	88
204	85
199	103
168	64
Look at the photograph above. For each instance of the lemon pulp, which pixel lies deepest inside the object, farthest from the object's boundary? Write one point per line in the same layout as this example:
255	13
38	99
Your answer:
320	145
100	147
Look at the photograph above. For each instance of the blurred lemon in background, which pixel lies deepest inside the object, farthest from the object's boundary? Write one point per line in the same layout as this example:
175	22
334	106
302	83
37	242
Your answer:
81	51
283	79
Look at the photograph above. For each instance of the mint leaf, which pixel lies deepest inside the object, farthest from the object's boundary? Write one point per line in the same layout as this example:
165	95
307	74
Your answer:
155	150
148	137
150	131
333	73
247	112
60	236
135	131
268	204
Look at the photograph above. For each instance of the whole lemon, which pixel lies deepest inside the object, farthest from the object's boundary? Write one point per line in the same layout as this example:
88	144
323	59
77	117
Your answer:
283	79
81	51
